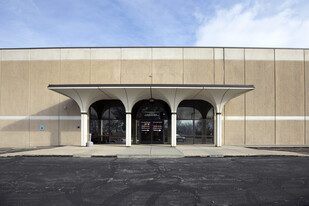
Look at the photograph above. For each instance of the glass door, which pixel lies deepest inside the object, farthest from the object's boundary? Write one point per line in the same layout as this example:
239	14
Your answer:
145	132
151	131
157	132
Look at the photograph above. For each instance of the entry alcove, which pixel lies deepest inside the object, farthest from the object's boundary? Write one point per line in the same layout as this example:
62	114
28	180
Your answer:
151	122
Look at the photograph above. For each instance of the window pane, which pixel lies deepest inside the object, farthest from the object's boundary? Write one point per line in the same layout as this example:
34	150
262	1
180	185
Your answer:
185	113
210	113
105	112
185	127
117	113
117	131
184	132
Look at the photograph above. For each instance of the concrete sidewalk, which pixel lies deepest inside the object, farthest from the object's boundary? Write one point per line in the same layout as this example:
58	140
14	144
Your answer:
150	151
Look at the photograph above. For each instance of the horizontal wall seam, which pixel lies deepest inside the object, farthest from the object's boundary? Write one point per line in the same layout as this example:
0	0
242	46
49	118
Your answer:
271	118
40	117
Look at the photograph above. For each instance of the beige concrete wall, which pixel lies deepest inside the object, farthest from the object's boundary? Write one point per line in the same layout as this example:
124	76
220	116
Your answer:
167	72
198	61
48	136
14	88
105	72
14	102
289	96
234	74
219	66
136	72
43	102
260	72
280	88
205	69
307	96
69	129
167	66
14	133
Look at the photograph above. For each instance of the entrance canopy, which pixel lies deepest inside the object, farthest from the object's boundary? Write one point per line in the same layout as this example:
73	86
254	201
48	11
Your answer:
129	94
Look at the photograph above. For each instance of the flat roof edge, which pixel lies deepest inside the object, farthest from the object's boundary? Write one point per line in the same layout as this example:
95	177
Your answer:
149	85
115	47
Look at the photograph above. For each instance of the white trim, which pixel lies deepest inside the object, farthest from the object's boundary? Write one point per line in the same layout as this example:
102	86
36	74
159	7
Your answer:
289	55
234	54
167	54
75	54
198	54
45	54
105	53
70	118
259	54
136	53
40	117
265	118
14	117
16	55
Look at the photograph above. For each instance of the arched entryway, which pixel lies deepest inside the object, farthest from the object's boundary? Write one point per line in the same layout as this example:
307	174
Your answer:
107	122
195	122
151	121
85	95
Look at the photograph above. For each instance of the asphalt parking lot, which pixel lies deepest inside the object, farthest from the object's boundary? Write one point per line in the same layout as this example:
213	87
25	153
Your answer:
180	181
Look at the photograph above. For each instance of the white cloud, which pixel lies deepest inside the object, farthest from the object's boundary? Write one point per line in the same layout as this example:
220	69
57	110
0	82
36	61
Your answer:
245	25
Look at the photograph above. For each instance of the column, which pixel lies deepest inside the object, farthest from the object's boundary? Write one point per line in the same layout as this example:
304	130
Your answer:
84	129
218	130
174	127
128	129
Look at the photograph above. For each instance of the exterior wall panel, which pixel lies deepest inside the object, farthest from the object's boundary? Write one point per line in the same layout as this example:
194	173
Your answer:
289	97
260	72
75	72
167	72
136	72
307	96
69	133
47	137
234	74
14	133
14	88
219	66
205	69
42	101
105	72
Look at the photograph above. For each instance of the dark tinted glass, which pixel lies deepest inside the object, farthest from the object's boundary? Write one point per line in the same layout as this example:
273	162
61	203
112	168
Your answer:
195	122
185	127
107	121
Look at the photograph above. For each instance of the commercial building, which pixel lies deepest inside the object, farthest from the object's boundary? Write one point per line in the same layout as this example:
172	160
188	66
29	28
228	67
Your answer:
154	95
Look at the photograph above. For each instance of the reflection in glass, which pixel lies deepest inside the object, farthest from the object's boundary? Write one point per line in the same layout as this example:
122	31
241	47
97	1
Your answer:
107	122
185	127
195	122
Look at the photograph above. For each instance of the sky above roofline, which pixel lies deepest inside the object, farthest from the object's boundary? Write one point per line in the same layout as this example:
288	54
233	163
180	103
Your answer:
139	23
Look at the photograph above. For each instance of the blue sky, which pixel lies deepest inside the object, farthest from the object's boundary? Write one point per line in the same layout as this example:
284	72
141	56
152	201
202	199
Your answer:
99	23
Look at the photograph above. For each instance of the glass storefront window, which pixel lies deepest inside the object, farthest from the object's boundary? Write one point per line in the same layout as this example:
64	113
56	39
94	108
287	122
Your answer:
107	122
195	121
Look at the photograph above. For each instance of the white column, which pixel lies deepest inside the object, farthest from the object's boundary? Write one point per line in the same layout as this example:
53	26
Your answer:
128	129
174	123
84	128
218	130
